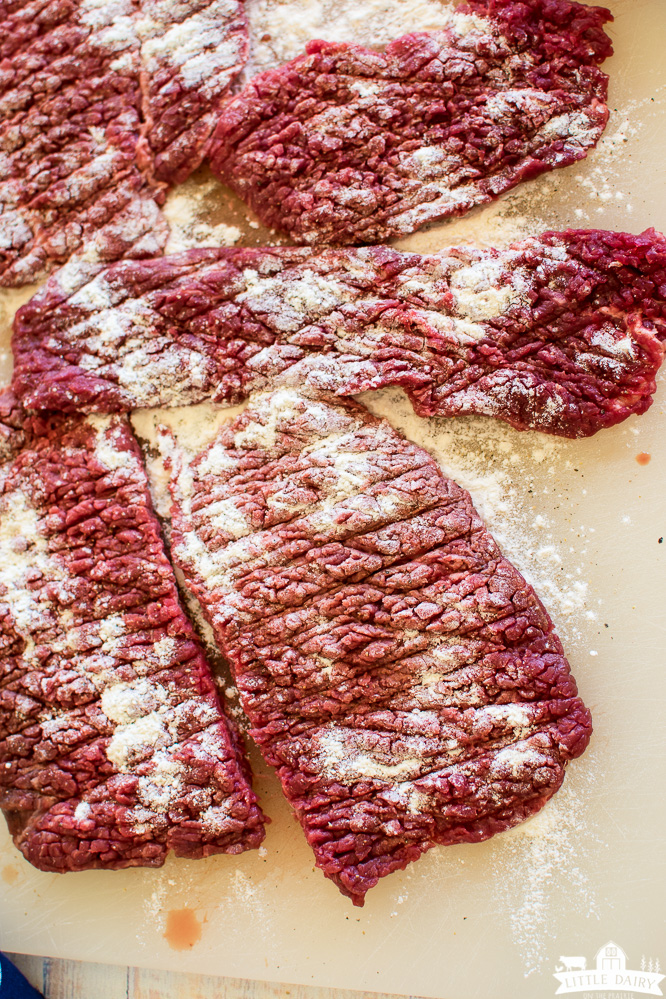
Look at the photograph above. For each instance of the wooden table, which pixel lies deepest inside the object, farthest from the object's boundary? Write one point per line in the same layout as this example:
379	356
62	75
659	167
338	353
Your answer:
77	980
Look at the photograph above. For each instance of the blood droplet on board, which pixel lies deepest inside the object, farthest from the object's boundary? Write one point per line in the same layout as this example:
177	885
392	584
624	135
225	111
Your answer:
183	929
9	874
643	458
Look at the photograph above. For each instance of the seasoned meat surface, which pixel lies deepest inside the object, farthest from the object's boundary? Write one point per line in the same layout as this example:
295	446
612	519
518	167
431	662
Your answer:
103	104
348	145
113	746
398	672
561	333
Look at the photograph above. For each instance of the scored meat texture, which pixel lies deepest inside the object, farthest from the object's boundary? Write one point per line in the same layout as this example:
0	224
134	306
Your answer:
103	104
352	145
191	52
561	333
396	669
12	426
113	746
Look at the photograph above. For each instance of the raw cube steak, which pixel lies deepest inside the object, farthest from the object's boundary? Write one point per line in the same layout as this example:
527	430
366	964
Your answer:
113	746
345	144
397	670
102	103
560	333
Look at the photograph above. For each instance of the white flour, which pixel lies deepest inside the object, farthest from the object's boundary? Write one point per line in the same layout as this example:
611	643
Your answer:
550	849
278	33
186	211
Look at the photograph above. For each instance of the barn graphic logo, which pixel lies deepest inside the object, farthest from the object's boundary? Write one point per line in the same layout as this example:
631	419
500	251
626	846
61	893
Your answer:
610	975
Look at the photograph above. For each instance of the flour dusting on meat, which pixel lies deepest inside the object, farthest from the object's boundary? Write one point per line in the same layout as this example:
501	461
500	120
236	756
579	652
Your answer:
347	144
562	333
190	52
113	747
103	105
397	671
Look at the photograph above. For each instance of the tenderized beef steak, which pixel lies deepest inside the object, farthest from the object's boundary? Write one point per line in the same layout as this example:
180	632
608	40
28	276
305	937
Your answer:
345	144
102	104
113	746
561	333
398	672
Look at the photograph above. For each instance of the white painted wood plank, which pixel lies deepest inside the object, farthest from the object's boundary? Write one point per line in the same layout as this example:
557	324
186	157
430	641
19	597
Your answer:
59	979
146	984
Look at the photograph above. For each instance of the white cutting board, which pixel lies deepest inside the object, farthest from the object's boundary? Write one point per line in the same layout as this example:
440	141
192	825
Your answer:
584	518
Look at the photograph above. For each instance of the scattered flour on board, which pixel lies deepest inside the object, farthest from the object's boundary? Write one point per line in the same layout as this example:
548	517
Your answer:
553	848
187	212
603	182
230	883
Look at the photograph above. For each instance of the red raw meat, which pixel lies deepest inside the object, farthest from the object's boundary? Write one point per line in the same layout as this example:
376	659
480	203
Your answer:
345	144
397	670
113	746
191	52
561	333
103	103
12	425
